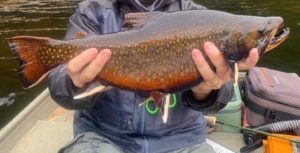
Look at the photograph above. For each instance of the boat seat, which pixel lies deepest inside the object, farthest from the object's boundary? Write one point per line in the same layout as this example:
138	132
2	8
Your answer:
45	137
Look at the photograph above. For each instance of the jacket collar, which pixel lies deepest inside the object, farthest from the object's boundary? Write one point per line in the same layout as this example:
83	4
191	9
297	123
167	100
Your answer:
147	5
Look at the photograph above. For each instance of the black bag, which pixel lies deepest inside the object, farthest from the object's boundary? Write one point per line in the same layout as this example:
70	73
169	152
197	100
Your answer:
271	96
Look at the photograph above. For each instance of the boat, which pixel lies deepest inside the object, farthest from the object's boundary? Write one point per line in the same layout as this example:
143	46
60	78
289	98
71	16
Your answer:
44	126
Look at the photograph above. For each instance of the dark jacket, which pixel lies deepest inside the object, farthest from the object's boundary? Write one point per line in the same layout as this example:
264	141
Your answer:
116	113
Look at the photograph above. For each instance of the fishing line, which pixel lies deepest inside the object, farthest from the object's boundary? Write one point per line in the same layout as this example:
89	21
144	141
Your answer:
260	132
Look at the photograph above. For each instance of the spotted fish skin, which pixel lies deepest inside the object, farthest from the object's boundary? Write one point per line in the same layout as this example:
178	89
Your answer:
156	56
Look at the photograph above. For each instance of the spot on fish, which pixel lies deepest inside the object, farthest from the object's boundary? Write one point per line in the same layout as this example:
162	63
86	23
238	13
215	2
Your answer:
149	72
154	76
181	74
170	76
137	79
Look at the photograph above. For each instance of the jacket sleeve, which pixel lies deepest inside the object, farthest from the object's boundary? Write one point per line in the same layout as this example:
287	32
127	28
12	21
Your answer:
214	102
62	90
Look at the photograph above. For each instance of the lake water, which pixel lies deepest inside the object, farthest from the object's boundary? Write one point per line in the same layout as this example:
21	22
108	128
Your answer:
26	17
49	18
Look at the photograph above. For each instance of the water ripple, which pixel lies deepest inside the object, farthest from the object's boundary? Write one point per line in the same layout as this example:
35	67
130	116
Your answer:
7	58
7	100
22	19
16	11
32	30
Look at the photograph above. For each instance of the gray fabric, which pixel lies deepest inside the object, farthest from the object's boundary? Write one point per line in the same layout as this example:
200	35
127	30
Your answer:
116	114
276	86
90	142
268	96
198	148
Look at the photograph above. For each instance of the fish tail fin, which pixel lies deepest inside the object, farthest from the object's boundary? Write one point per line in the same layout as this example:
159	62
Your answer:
26	49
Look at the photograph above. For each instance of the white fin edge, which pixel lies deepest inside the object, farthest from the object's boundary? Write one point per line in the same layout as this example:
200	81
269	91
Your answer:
236	73
39	80
97	89
166	109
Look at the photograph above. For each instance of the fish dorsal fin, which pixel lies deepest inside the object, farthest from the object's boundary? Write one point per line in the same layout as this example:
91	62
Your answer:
137	20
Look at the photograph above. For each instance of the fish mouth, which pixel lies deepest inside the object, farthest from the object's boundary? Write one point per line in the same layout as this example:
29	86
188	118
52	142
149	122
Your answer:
277	36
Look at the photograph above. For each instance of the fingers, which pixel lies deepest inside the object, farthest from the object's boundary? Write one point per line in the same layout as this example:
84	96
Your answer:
204	71
250	61
95	66
203	67
211	79
217	58
85	67
77	63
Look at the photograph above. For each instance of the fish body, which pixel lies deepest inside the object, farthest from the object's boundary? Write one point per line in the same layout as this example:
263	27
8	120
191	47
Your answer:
154	52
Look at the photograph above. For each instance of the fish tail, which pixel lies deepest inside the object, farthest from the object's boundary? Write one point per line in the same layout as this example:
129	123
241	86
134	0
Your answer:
26	49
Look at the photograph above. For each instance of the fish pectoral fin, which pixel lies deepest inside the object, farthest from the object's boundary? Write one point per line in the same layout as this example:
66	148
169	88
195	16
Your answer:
165	115
146	100
158	98
92	89
161	101
233	67
236	74
137	20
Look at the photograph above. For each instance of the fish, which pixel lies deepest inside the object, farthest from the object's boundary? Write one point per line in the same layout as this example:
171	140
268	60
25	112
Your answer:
152	52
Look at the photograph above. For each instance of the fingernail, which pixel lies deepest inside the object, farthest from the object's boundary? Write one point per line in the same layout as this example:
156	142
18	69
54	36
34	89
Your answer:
106	53
255	52
208	46
252	53
92	51
196	52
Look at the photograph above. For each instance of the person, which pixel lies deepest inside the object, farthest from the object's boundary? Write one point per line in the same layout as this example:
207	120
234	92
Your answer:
113	121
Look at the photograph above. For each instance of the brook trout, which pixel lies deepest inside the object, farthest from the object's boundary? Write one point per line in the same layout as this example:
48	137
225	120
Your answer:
154	52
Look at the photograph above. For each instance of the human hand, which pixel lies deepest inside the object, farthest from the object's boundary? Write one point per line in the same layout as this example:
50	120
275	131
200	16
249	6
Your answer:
250	61
211	79
86	66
